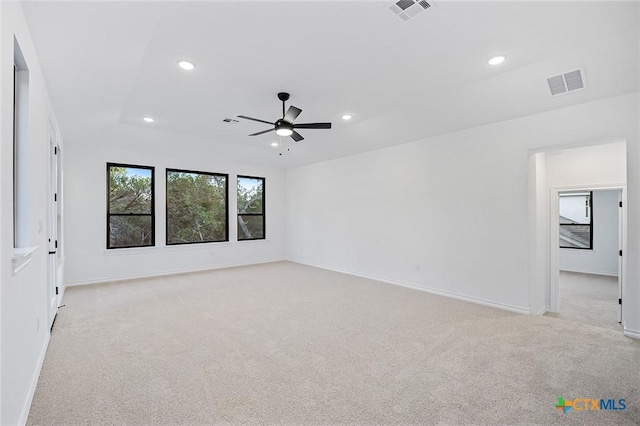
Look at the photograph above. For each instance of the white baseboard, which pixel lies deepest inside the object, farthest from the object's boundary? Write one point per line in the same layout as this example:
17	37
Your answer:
543	311
631	333
484	302
167	273
34	382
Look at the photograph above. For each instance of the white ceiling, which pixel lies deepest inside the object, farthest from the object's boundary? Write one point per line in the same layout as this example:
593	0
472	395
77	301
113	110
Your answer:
107	64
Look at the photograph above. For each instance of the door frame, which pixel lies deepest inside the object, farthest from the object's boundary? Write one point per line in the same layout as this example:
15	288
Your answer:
554	249
52	229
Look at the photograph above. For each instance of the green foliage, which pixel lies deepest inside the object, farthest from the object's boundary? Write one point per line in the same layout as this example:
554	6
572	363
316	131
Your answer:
196	207
250	227
130	192
130	231
250	208
250	197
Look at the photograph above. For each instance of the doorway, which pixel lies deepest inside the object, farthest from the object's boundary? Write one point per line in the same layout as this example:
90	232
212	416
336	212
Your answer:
586	281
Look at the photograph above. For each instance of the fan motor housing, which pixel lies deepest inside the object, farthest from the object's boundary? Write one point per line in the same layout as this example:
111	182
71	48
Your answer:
282	124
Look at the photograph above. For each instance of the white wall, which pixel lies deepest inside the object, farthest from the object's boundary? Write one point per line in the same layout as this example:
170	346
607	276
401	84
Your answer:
631	251
586	166
24	332
457	205
603	259
538	241
88	260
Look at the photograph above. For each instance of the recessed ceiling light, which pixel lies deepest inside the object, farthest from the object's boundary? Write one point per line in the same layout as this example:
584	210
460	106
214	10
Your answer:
274	144
186	65
149	119
347	117
496	60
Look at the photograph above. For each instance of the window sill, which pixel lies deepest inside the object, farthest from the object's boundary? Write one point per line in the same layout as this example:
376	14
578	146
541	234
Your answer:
196	246
255	241
129	250
576	250
21	258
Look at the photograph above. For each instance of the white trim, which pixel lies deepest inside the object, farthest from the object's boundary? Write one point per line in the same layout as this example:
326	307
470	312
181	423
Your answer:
168	273
631	333
543	311
21	258
608	274
591	187
19	253
61	290
34	381
210	245
484	302
129	250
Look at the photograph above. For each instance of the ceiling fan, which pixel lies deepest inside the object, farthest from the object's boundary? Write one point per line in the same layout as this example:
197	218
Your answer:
285	126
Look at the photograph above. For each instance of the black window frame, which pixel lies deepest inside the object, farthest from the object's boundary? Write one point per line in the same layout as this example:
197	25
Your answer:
264	208
153	204
166	204
568	194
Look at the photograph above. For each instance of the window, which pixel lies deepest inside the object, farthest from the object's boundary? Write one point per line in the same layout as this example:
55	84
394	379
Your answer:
576	220
20	150
250	208
197	208
130	209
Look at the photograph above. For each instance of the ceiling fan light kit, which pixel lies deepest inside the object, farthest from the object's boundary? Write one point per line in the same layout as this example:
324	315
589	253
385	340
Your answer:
285	126
283	129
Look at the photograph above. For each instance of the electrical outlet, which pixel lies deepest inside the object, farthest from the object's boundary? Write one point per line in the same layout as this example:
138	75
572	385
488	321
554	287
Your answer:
37	324
418	268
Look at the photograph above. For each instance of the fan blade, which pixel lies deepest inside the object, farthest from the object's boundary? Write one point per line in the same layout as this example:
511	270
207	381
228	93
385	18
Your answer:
312	126
260	133
296	136
255	119
292	114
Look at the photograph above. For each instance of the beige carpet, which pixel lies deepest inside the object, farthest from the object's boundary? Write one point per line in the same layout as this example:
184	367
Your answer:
589	299
284	343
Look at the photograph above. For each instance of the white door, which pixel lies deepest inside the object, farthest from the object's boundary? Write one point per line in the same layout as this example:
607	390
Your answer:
52	296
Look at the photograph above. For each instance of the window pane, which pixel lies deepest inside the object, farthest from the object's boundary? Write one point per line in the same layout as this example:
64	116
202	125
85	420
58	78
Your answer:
130	190
130	231
250	227
575	236
575	209
575	220
196	207
250	195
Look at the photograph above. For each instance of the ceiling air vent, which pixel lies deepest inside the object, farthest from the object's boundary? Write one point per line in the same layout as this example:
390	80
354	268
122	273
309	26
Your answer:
407	9
566	82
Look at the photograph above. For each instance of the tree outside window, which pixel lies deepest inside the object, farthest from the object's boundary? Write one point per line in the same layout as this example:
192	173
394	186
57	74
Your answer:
197	207
251	208
130	210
